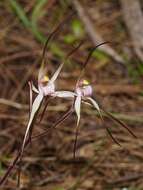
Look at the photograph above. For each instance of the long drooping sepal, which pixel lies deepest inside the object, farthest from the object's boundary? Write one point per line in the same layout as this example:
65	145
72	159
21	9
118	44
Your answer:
34	89
100	114
30	97
75	142
88	58
95	105
35	107
112	137
119	122
36	137
77	106
54	77
42	70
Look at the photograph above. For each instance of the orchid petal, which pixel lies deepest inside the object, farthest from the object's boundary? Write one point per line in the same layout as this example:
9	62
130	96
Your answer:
54	77
65	94
35	107
42	71
34	88
77	108
57	123
30	94
95	104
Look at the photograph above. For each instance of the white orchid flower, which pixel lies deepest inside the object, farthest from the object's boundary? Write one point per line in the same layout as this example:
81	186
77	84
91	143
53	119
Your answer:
46	87
84	92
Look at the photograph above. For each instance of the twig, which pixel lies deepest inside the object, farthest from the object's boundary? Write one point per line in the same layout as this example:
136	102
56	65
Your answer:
130	117
94	35
126	179
13	104
133	17
18	55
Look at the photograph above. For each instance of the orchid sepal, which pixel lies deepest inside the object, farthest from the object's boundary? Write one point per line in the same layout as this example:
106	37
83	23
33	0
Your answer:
65	94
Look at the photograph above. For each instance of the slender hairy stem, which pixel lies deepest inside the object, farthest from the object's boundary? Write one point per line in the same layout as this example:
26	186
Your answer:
45	107
36	137
75	142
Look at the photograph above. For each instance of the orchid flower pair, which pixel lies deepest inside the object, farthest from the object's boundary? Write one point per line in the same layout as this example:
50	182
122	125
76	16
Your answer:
46	88
83	93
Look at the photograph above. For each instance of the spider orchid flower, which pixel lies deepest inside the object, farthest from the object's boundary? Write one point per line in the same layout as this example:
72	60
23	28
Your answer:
46	87
84	93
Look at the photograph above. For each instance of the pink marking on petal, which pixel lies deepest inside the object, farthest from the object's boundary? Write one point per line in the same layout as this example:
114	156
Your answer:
47	89
87	90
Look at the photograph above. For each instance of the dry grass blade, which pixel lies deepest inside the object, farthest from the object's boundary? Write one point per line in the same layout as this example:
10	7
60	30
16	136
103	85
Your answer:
94	35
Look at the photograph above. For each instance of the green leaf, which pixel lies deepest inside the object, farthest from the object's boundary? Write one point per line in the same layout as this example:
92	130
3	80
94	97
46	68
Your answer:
69	39
55	49
99	55
1	169
77	28
36	14
30	24
20	13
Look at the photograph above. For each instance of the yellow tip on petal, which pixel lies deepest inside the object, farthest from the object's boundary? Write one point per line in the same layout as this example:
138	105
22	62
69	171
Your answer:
85	82
46	78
